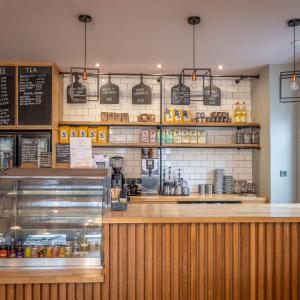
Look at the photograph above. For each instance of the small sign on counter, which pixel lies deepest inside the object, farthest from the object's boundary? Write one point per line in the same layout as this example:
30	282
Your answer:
63	153
81	152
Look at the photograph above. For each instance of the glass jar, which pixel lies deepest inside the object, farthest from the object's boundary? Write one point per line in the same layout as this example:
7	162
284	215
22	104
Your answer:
239	138
255	137
247	137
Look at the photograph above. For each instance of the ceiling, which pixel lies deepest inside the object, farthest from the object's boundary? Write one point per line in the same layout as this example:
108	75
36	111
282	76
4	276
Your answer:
135	35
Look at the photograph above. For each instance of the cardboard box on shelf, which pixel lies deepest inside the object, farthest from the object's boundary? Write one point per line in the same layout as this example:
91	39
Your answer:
102	132
64	134
93	134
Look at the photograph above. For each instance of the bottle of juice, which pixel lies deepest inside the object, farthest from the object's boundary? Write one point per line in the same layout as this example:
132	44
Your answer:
237	113
244	113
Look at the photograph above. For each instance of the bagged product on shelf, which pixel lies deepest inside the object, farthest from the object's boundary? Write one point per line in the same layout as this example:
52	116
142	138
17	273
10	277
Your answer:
74	132
186	115
193	136
92	133
177	115
169	136
110	117
124	117
64	134
145	136
102	133
169	115
177	136
163	136
117	117
185	136
104	116
201	136
83	131
152	136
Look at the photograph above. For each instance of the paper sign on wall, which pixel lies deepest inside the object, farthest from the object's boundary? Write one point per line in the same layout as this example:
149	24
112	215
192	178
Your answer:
81	152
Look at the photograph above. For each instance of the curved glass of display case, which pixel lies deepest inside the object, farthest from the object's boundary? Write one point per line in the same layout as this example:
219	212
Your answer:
52	217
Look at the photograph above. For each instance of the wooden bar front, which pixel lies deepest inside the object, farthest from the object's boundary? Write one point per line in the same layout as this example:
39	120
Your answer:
189	251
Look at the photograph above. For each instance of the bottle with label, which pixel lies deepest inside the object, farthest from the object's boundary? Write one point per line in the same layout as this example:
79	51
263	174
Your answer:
20	250
237	113
244	113
12	253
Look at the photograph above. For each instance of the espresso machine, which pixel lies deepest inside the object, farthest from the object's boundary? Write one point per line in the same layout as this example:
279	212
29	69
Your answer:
117	178
150	173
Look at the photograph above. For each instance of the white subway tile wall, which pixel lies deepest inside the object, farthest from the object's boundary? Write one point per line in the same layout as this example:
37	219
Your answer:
197	164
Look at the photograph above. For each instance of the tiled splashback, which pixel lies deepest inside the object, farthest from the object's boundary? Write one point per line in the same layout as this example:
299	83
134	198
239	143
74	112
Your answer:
197	164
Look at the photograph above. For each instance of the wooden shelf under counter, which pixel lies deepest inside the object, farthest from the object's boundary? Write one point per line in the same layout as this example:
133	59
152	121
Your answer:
195	197
50	275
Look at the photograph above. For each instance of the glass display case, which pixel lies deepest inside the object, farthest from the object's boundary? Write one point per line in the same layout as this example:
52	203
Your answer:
52	217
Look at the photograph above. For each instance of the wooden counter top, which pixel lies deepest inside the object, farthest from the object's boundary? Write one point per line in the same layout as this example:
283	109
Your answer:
204	213
195	197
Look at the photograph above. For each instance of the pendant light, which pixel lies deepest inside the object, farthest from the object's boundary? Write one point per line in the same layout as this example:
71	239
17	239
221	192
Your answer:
85	19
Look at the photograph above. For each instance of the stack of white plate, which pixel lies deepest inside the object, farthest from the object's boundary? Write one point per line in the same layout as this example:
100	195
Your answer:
228	184
219	181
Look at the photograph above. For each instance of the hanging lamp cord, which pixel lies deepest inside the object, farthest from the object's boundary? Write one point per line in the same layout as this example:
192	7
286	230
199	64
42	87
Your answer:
193	46
85	45
294	48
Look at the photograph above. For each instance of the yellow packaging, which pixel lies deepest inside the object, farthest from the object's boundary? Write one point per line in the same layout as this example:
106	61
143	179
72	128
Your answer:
201	137
102	135
186	115
169	115
193	136
185	136
74	132
64	136
177	115
83	131
93	134
177	136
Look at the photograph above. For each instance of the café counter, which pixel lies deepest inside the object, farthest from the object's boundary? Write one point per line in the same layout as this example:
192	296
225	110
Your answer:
186	251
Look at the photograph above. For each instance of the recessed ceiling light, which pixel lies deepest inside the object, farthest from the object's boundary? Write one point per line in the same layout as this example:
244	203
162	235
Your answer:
15	227
55	211
103	80
46	233
97	65
159	66
220	67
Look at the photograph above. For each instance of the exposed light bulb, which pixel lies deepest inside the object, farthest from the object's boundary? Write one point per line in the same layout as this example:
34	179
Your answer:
158	66
97	65
194	75
220	67
294	85
84	75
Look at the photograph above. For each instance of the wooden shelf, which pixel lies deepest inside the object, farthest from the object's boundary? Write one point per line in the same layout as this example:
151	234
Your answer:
25	127
234	146
102	123
157	124
211	124
128	145
156	145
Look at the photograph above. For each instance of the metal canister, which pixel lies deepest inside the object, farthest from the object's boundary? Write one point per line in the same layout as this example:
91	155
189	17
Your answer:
35	251
202	189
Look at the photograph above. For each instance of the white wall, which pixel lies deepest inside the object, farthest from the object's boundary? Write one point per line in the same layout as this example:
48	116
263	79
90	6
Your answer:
197	164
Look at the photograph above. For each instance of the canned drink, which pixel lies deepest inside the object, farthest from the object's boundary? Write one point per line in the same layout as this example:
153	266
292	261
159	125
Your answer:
28	252
62	251
49	251
35	251
56	251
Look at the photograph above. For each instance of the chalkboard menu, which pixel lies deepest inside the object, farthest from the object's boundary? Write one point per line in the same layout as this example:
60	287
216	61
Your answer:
45	160
79	91
29	151
109	93
7	95
141	93
63	153
212	97
180	94
35	95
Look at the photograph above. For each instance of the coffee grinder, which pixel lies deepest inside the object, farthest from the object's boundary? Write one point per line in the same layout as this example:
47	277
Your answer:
117	178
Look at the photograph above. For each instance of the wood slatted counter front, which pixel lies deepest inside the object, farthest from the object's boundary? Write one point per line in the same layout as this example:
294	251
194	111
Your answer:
187	251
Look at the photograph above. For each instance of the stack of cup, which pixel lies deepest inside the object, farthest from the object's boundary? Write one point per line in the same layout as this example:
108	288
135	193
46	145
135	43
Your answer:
228	184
